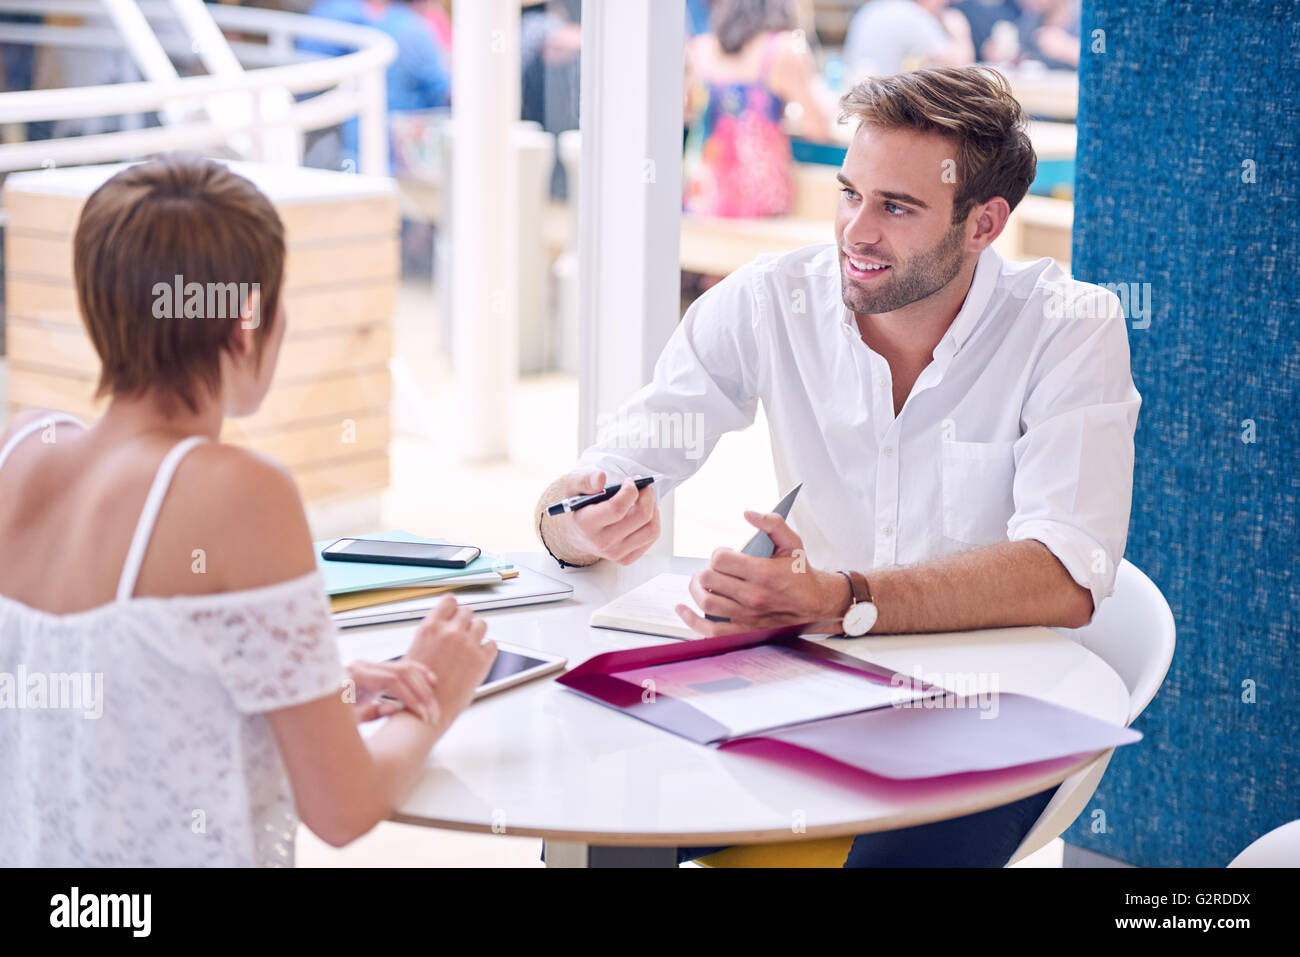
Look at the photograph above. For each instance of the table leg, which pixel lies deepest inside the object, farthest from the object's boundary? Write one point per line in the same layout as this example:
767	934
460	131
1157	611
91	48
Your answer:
571	854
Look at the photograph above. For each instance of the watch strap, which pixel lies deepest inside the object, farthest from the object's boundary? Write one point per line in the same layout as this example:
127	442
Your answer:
852	596
858	583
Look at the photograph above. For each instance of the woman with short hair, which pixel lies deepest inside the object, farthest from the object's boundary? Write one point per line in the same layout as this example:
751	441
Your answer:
182	697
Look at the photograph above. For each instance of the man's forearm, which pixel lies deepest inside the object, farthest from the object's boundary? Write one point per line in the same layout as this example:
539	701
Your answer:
1013	583
554	531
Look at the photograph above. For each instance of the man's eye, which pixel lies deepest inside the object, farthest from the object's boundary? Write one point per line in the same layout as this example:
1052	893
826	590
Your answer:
890	207
848	193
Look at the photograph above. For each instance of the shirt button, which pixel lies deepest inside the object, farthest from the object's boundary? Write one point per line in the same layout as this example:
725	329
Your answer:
888	450
887	530
880	382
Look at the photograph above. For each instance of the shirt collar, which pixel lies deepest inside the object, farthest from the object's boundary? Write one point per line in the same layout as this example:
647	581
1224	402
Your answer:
987	269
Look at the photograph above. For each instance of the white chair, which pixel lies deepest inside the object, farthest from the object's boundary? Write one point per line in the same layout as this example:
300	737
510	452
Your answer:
1133	632
1280	847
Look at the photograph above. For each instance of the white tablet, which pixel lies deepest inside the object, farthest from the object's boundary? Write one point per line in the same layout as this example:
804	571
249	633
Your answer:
515	665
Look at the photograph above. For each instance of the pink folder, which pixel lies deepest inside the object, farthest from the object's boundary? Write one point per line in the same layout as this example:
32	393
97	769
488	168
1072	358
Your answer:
938	735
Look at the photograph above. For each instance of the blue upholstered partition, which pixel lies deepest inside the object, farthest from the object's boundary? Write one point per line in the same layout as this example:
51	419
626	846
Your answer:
1188	165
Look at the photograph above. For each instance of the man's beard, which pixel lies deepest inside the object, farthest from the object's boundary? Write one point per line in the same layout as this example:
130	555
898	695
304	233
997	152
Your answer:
926	273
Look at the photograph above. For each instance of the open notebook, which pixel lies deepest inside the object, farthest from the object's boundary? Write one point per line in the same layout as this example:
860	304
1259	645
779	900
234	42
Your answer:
648	609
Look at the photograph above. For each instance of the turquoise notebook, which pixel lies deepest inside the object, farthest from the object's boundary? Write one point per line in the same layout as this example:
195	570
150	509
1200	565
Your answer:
344	577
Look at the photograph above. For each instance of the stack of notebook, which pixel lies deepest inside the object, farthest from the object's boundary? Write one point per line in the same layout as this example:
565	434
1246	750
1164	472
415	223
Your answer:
370	593
352	585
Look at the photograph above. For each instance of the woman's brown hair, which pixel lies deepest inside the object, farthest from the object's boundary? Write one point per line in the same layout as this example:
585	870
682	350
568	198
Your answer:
971	105
151	238
736	22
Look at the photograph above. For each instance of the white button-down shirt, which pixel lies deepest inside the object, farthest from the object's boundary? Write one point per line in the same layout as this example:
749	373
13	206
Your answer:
1020	428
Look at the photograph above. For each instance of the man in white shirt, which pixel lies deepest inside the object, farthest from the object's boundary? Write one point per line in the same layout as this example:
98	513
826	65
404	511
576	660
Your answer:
962	426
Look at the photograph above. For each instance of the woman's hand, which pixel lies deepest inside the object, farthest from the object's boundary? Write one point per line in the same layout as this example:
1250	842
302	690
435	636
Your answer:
452	640
384	687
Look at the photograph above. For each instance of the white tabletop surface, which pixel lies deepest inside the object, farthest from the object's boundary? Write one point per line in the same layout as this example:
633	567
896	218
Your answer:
541	760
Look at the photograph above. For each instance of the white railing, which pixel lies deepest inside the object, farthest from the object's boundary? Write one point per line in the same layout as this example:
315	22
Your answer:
351	85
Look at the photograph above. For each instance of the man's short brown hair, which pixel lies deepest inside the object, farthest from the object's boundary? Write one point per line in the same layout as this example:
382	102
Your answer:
971	105
158	227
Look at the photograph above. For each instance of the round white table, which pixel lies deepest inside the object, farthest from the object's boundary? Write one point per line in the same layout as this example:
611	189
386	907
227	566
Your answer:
540	760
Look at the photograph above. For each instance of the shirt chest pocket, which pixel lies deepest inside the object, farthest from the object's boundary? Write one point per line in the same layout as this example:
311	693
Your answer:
977	482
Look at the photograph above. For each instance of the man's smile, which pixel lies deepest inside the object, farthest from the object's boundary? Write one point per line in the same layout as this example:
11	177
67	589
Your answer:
863	270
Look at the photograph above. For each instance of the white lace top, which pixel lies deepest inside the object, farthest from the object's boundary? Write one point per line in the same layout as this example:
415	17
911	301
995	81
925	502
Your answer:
135	733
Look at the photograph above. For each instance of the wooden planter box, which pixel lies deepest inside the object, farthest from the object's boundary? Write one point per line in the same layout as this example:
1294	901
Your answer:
327	414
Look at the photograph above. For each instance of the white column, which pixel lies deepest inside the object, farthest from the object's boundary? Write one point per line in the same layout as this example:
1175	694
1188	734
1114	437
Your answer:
536	151
485	249
372	123
629	213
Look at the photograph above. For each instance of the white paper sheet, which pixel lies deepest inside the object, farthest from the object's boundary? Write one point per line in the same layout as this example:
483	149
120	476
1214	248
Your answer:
756	689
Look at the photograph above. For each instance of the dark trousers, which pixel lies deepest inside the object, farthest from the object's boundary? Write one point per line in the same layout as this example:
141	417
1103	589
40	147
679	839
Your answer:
984	839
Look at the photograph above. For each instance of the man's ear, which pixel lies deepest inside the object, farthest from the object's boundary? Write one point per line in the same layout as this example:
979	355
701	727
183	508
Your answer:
990	220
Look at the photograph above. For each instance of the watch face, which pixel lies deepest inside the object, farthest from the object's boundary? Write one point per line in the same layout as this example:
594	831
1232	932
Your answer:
860	618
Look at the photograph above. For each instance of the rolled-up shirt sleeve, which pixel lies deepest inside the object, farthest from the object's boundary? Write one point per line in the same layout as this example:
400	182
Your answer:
1073	486
705	384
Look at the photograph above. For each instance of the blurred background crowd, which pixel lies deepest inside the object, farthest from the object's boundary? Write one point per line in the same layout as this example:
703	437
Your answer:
760	148
749	62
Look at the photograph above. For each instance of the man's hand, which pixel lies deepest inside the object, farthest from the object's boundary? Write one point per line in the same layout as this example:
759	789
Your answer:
764	592
621	529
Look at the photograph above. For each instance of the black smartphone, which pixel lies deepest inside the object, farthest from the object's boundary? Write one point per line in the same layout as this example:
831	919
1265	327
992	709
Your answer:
399	553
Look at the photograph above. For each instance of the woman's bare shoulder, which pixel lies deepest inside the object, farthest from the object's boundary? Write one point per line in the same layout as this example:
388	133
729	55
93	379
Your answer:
245	510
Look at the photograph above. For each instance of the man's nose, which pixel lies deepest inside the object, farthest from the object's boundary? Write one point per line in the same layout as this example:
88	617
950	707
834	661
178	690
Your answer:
861	230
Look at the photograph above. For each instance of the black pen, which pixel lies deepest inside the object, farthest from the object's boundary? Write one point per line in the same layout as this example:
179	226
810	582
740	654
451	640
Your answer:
575	502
